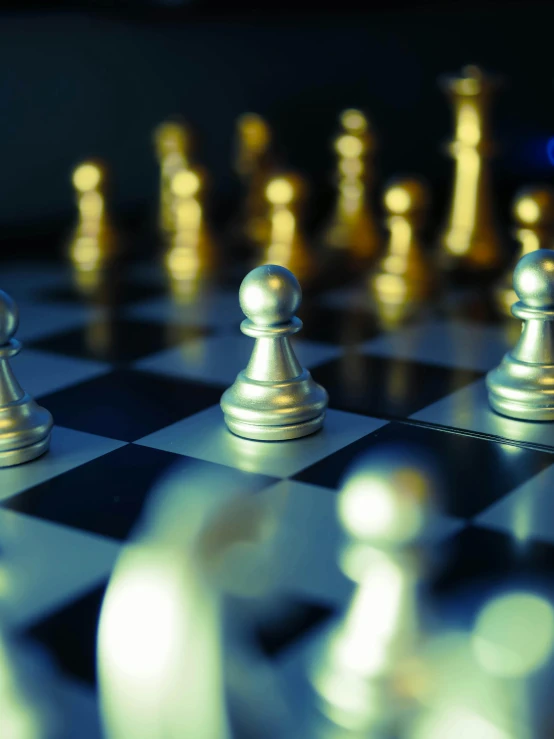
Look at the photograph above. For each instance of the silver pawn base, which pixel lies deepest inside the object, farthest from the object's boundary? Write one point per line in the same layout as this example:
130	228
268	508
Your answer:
274	398
25	426
522	386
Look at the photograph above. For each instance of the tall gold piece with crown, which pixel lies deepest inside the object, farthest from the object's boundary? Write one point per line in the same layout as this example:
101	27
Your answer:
470	241
352	229
533	212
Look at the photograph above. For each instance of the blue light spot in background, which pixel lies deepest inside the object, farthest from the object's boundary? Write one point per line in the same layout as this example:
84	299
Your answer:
550	150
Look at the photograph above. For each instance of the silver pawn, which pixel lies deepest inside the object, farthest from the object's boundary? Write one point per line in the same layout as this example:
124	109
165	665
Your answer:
274	398
522	386
24	426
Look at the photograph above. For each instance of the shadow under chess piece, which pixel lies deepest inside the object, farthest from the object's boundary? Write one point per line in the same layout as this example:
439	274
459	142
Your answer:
173	144
352	230
274	398
191	252
254	163
384	506
533	210
470	241
287	245
93	242
24	425
404	277
522	386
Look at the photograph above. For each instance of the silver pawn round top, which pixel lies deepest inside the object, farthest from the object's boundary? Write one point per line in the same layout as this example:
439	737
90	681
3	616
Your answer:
9	318
534	279
270	295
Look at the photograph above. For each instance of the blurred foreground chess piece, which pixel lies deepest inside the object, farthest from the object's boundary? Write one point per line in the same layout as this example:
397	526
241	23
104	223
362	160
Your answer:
191	253
533	210
93	243
173	144
522	386
361	672
287	245
254	163
352	230
274	398
470	242
24	425
404	278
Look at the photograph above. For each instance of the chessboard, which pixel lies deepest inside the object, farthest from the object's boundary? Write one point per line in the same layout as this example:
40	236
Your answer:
134	384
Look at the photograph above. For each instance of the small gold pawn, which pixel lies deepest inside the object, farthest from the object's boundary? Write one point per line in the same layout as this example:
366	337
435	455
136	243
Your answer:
470	241
404	277
93	242
253	165
173	144
352	228
533	212
191	253
287	245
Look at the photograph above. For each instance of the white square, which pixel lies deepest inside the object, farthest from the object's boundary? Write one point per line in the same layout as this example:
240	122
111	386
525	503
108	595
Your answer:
445	343
213	309
469	409
527	513
68	449
38	320
40	373
205	436
219	359
44	565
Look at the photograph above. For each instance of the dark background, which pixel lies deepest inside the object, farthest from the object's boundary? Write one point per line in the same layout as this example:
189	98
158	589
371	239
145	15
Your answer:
81	80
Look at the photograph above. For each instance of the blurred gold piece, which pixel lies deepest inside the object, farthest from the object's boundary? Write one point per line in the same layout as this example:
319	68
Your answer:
93	242
173	144
287	245
191	252
404	277
352	227
533	212
253	164
470	240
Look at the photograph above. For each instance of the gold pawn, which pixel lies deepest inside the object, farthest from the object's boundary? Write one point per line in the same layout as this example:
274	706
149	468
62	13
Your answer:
172	144
287	245
93	243
352	228
404	276
470	240
533	212
253	165
191	252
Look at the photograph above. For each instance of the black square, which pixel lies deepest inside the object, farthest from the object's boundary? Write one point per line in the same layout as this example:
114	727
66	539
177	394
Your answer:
293	619
69	635
471	473
478	563
111	339
337	326
111	292
387	387
105	496
128	404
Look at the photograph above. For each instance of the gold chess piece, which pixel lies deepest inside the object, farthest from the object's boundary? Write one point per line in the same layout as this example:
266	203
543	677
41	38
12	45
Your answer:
173	144
93	243
191	252
470	241
533	212
287	245
352	228
253	165
404	276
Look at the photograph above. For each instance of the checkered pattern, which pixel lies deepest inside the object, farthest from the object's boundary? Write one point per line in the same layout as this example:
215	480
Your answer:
134	386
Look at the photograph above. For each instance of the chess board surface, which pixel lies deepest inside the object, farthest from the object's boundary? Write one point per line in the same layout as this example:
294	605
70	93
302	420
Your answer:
134	383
